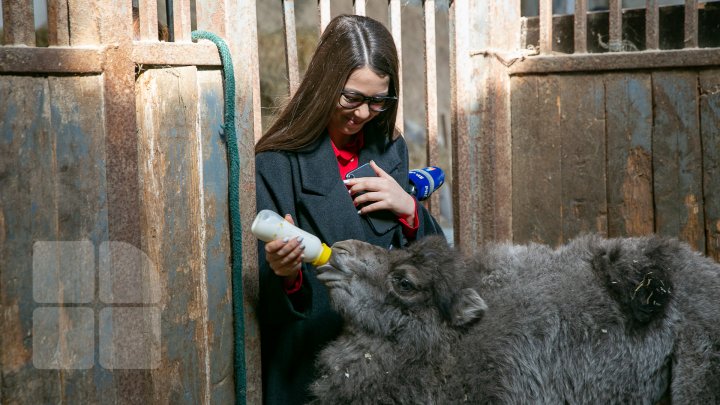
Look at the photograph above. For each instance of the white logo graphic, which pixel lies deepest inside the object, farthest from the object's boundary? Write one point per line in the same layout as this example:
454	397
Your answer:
64	333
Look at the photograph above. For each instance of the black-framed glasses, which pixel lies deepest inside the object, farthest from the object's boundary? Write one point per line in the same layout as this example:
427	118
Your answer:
351	99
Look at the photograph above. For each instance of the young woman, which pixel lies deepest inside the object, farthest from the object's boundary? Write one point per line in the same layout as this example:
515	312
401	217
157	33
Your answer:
341	117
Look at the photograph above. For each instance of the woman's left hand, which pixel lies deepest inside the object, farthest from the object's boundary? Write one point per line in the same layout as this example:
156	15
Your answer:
382	193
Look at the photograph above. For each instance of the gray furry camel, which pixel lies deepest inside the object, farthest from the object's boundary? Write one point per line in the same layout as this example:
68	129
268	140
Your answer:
597	321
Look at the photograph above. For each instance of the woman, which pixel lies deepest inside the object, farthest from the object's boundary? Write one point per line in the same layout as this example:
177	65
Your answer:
341	117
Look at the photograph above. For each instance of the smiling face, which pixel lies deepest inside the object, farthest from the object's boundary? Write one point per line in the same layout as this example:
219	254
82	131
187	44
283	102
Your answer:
344	123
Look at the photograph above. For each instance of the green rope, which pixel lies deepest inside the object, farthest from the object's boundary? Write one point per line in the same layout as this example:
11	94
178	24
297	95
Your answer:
234	203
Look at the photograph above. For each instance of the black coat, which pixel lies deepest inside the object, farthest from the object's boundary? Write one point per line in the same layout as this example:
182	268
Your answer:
307	185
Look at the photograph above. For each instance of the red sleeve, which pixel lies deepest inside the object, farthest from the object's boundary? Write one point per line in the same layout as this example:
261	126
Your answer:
294	287
410	231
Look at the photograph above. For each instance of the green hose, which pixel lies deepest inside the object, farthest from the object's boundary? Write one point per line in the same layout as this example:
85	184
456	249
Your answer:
234	204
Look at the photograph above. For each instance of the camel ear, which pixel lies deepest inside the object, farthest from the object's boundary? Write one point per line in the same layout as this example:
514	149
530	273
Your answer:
467	307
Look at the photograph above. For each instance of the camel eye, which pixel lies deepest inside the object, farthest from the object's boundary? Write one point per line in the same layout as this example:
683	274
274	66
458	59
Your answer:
405	286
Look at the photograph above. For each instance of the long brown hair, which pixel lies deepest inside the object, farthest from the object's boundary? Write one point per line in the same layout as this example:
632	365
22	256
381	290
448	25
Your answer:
348	43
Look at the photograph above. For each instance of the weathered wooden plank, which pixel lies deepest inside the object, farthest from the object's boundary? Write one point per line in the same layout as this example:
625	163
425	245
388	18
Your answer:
677	157
172	218
580	26
324	14
581	105
431	103
210	15
546	26
58	23
242	34
148	21
28	213
182	26
217	237
710	131
652	25
359	7
19	23
675	58
203	53
615	29
395	22
291	54
85	17
690	24
79	133
629	154
536	147
50	60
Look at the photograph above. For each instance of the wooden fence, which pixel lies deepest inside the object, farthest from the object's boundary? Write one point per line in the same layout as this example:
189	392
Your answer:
112	160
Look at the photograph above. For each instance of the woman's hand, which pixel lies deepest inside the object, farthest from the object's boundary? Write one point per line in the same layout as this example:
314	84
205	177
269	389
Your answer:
382	193
285	256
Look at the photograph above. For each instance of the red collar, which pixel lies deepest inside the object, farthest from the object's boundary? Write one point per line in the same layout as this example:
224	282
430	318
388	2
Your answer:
351	150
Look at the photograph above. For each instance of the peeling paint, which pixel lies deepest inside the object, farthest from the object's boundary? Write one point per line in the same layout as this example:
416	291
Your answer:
692	228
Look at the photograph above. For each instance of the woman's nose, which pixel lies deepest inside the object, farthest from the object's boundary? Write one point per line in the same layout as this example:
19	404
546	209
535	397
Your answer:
363	111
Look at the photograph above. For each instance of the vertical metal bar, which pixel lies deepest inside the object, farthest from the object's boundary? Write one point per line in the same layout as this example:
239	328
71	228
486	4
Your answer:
19	22
395	28
182	26
652	25
291	54
170	20
359	7
431	95
546	28
148	20
324	12
615	42
580	26
691	23
58	24
84	27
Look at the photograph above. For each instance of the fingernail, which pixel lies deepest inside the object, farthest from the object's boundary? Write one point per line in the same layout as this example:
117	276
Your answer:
286	239
299	239
346	181
302	247
359	212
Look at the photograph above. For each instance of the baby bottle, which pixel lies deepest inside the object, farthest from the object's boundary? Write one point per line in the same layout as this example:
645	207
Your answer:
269	226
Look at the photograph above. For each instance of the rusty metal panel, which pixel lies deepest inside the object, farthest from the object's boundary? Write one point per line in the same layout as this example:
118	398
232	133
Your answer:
536	149
629	161
214	170
172	228
710	131
291	55
581	106
85	17
677	157
58	23
19	23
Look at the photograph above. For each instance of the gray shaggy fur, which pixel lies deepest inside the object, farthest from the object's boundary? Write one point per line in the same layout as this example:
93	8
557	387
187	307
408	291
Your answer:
597	321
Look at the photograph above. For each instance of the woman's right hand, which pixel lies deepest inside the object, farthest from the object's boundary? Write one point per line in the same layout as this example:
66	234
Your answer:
285	256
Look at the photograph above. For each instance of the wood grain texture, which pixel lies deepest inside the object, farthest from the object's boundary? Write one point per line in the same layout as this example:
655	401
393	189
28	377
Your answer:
629	154
677	157
710	133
